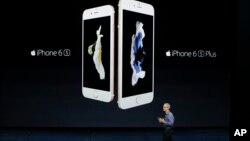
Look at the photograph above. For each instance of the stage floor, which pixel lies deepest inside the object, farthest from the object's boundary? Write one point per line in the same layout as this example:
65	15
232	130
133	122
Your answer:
107	134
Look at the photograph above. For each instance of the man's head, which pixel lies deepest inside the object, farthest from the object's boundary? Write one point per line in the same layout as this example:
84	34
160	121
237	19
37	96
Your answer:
166	107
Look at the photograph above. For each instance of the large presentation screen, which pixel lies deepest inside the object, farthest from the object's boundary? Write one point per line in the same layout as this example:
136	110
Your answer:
41	65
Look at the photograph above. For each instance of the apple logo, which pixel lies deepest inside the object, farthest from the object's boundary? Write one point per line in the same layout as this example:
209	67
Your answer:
168	53
33	53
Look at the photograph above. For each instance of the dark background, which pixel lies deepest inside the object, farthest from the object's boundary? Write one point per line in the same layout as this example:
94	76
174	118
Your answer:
129	28
91	77
46	91
239	100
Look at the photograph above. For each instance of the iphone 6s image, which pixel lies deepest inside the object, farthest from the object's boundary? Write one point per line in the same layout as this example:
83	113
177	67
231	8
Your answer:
98	53
135	54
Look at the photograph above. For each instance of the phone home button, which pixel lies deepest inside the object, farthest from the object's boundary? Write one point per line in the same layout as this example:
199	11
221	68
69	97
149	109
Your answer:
138	100
95	94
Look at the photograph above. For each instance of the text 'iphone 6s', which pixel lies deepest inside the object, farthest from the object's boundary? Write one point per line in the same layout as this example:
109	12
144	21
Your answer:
135	54
98	53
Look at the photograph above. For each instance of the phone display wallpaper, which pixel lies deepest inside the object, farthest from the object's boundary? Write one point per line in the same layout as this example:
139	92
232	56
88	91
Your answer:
137	61
96	53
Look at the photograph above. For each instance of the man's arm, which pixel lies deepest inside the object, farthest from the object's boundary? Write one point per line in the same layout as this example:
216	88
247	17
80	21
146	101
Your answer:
169	120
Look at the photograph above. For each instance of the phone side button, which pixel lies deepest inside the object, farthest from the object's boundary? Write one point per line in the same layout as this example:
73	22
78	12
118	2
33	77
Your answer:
138	100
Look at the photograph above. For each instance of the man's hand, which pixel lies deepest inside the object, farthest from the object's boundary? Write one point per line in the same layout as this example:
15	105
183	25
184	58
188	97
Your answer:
161	120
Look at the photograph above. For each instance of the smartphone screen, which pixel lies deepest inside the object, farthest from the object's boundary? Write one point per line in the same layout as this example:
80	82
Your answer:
137	53
96	53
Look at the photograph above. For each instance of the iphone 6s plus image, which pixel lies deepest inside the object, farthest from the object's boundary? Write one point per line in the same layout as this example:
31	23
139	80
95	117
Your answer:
135	54
98	53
